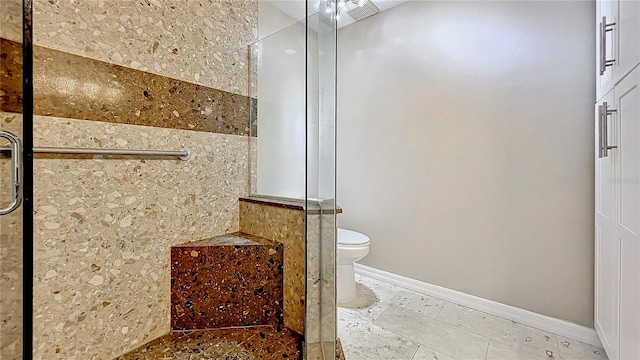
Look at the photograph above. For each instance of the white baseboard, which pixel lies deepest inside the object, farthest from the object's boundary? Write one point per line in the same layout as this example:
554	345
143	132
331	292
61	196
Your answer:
556	326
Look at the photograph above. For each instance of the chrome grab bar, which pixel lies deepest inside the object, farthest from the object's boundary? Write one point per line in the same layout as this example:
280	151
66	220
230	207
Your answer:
184	154
604	29
15	148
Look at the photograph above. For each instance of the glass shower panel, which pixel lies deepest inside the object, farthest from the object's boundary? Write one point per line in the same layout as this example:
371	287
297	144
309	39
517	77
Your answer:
292	149
11	234
278	113
321	180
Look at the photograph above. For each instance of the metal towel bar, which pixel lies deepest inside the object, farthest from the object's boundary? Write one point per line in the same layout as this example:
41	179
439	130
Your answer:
183	154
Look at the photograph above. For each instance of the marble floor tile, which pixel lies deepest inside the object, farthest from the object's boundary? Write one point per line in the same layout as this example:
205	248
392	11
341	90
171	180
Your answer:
435	334
575	350
425	353
438	330
535	341
365	297
364	306
370	313
362	279
420	303
363	340
499	351
478	322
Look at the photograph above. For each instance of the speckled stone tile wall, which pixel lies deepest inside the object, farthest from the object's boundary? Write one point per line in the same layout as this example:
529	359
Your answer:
199	41
230	280
286	226
104	227
11	292
11	19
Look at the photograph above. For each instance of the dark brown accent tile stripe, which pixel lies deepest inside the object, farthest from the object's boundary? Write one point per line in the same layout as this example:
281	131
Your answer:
10	76
71	86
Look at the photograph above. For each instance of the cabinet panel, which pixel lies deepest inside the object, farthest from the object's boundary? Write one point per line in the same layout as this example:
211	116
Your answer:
627	35
629	296
606	254
627	229
609	10
628	109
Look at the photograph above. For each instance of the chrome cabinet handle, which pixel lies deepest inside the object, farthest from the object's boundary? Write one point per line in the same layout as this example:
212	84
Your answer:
604	29
601	151
16	172
605	129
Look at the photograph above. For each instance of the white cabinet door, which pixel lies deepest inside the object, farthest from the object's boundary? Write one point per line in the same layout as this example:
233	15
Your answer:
618	43
606	254
607	9
627	38
627	230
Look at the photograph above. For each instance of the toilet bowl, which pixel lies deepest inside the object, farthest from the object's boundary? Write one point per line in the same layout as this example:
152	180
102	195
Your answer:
352	246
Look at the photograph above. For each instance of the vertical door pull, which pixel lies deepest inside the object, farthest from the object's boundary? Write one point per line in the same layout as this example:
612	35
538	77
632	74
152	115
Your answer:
16	172
601	151
605	129
604	29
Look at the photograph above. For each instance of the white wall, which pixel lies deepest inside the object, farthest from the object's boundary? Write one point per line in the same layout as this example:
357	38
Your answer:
275	15
464	148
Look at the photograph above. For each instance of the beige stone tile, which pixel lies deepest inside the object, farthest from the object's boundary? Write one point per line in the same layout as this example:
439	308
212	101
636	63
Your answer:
362	339
103	229
11	19
366	305
535	341
575	350
477	322
286	226
499	351
420	303
432	333
11	290
204	42
425	353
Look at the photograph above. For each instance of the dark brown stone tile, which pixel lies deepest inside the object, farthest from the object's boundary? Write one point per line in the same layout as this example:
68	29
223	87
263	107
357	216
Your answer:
77	87
339	350
10	76
227	281
262	342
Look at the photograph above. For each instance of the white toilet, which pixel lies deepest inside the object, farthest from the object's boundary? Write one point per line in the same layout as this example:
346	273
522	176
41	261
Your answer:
352	246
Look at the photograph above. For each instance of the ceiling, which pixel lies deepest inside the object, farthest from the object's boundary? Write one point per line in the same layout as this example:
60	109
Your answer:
296	9
382	5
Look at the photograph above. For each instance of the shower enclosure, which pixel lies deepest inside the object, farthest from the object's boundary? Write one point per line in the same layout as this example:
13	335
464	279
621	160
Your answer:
293	148
142	127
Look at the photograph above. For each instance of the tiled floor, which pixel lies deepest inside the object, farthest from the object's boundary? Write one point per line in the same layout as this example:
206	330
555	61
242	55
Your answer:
403	324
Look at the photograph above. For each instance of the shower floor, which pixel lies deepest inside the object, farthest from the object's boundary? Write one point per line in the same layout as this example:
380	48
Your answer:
258	342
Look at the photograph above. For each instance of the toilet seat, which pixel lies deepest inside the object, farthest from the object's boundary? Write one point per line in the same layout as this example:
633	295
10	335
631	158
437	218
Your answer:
348	238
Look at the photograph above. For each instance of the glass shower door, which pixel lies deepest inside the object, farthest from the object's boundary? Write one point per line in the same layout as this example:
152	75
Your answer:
292	145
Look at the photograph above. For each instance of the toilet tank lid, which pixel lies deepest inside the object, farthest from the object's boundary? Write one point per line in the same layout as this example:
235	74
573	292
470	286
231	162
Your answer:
349	237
